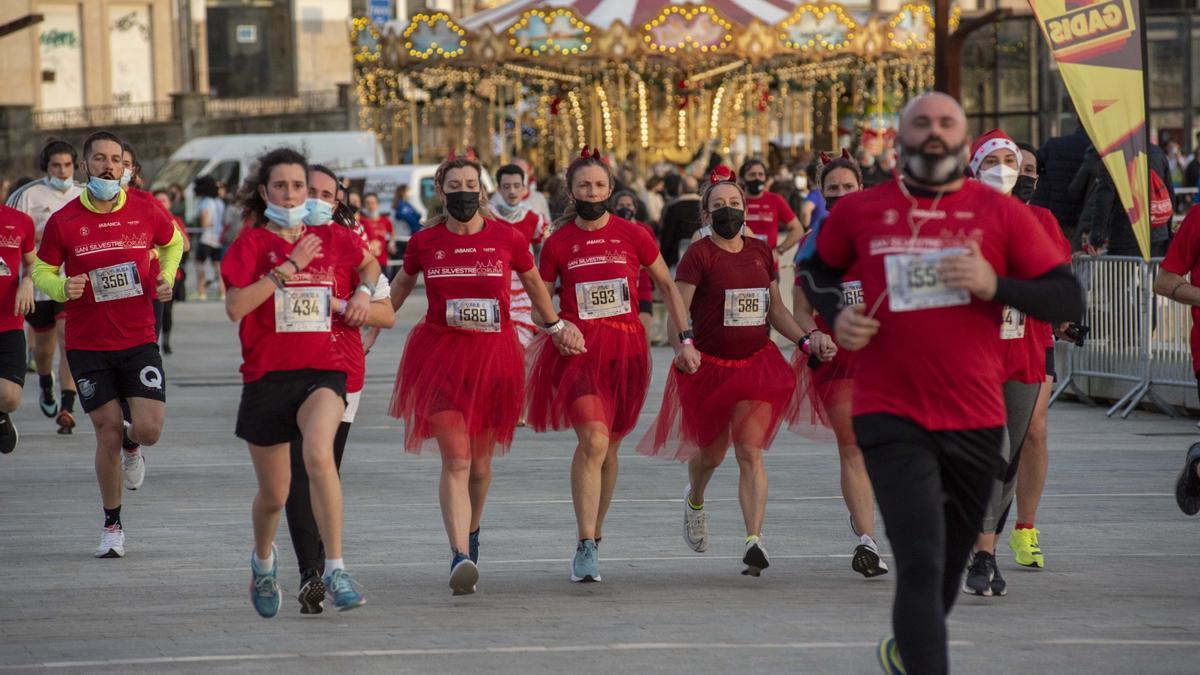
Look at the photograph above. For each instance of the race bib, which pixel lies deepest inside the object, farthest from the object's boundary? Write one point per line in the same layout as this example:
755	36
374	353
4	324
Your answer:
481	315
746	306
116	282
913	282
5	270
598	299
852	293
1013	325
302	309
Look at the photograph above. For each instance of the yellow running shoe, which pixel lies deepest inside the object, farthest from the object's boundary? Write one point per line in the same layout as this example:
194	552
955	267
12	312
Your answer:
1024	545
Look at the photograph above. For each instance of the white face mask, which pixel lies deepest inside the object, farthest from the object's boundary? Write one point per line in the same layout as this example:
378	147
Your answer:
1001	178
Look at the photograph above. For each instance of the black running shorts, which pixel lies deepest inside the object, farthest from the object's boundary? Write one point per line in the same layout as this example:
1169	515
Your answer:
12	356
1050	363
101	377
270	404
645	307
204	253
44	315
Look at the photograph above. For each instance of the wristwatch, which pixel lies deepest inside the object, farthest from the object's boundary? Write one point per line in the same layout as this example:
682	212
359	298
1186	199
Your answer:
370	290
687	337
554	328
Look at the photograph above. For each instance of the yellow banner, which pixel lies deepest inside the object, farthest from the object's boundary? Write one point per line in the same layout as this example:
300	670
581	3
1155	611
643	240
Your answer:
1097	44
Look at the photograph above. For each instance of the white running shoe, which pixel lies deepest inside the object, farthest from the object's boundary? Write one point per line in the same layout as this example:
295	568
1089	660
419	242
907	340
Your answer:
756	559
112	543
695	524
133	465
866	560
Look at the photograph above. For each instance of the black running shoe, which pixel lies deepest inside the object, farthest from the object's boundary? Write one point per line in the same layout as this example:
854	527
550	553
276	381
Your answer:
999	585
1187	487
755	559
312	594
980	573
8	434
47	402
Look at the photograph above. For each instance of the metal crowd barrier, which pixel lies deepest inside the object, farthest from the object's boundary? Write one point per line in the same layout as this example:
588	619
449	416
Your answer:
1136	336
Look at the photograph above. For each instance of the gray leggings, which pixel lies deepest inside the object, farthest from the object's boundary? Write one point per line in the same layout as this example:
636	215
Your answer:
1020	399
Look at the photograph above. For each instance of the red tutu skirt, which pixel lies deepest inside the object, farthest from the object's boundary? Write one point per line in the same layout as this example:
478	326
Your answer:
607	384
453	382
745	397
818	392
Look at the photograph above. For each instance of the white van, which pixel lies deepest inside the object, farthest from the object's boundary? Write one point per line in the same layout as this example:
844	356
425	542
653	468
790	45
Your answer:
383	181
228	159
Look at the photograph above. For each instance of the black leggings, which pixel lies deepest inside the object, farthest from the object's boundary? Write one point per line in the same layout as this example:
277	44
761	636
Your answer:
932	488
302	524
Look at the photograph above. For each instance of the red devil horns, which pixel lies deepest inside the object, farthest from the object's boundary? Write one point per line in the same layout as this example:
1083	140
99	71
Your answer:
468	155
825	158
453	156
720	174
594	154
845	153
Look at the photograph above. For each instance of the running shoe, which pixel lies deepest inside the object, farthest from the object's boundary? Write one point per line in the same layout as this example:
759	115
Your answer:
264	587
312	593
755	559
8	434
473	547
65	421
47	402
889	656
112	543
133	465
695	523
999	585
586	565
1187	487
464	574
866	560
344	590
1025	548
980	573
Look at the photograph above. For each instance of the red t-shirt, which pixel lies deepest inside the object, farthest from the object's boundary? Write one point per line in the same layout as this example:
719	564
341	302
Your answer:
349	340
379	231
267	344
1183	258
765	214
645	289
733	294
155	267
940	367
113	249
468	267
1025	338
599	266
532	226
16	239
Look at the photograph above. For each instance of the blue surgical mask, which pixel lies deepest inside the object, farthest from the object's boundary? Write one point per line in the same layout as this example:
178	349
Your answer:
285	217
319	212
103	188
61	184
126	176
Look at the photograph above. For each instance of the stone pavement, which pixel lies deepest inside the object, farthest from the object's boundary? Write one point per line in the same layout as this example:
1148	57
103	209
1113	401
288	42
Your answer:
1121	593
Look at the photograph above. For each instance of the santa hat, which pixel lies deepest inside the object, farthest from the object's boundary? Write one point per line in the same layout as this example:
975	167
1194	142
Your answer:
987	144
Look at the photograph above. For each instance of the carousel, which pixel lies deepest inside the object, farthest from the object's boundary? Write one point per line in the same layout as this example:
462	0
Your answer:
648	80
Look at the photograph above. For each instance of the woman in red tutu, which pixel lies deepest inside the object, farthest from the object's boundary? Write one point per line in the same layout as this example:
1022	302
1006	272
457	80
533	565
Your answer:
597	256
827	387
461	379
742	386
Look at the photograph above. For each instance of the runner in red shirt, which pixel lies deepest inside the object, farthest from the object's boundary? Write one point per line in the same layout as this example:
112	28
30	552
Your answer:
16	300
1177	279
462	376
381	236
512	208
826	388
596	257
103	240
324	210
995	162
625	206
743	385
283	282
939	258
767	212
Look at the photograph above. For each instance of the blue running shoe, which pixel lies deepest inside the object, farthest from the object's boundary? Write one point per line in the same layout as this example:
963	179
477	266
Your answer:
463	575
344	590
586	565
264	588
889	656
473	547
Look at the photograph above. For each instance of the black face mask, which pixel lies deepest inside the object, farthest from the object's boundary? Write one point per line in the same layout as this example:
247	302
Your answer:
1023	190
830	201
590	210
755	187
727	221
463	205
627	214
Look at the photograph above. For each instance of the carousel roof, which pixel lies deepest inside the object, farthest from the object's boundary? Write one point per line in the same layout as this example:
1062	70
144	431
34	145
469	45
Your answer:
603	13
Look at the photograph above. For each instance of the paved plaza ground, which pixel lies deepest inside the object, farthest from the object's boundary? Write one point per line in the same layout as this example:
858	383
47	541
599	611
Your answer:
1121	593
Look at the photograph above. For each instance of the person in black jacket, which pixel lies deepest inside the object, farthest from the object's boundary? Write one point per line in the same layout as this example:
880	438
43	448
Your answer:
1059	160
1103	223
680	217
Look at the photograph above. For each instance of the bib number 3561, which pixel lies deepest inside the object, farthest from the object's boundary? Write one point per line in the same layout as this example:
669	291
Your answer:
913	282
116	282
599	299
302	309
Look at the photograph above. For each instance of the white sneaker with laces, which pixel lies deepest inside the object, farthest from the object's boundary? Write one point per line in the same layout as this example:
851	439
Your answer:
133	465
112	543
695	524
